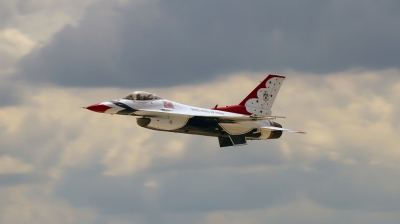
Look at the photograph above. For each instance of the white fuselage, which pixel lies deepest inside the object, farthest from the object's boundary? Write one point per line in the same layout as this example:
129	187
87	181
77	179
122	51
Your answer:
166	115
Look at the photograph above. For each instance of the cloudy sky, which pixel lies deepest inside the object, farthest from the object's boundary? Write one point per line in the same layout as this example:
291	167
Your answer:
62	164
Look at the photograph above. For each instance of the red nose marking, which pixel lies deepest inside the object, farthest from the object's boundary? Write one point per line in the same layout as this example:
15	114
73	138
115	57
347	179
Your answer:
100	108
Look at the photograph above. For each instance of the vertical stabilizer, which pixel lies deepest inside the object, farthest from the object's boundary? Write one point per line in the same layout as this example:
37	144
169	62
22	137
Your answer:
260	100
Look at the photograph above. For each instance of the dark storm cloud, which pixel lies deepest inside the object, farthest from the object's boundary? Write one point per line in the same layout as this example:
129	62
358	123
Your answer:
174	42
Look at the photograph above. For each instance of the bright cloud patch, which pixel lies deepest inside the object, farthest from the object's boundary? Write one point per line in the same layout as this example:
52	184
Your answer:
15	43
10	165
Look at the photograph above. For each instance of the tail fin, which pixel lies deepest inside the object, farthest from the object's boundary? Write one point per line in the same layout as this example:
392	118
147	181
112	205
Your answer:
260	100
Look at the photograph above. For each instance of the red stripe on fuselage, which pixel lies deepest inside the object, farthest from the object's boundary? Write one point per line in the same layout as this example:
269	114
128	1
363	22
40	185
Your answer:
239	109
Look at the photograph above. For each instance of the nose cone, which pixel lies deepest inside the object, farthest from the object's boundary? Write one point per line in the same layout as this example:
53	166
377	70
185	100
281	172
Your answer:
99	108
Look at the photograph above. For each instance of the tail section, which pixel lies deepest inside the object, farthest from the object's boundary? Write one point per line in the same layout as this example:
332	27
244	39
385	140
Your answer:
260	100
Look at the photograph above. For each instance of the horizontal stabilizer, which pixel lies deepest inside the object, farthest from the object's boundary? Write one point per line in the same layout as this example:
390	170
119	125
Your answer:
282	129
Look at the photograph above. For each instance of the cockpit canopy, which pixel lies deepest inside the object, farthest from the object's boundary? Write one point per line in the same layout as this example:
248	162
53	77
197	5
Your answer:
141	95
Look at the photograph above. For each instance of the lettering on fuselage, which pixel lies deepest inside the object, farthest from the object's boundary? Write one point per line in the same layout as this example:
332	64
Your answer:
207	111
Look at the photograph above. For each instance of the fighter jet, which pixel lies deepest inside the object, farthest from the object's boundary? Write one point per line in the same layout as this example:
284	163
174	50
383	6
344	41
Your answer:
233	125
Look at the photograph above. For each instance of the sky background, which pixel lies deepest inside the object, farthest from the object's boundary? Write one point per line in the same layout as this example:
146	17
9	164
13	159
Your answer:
62	164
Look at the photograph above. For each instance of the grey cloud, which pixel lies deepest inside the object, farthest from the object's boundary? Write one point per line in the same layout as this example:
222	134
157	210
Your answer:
10	9
32	137
182	191
199	164
7	180
115	195
196	157
167	43
206	180
355	187
5	13
10	95
226	190
209	187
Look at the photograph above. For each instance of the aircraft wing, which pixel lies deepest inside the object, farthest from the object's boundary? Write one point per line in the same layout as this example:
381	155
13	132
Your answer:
240	121
242	126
